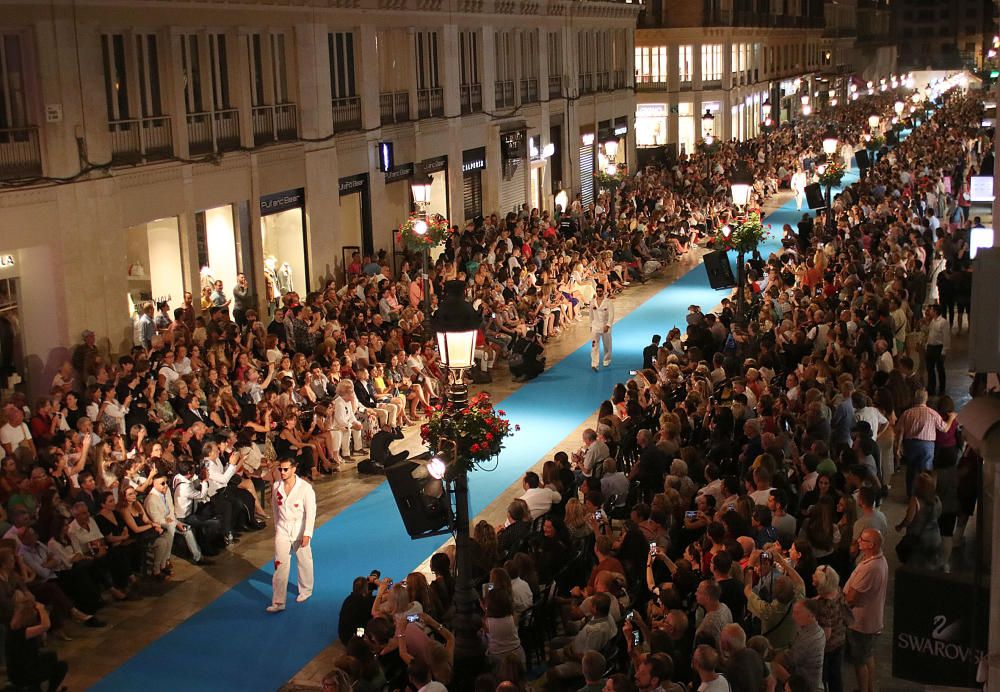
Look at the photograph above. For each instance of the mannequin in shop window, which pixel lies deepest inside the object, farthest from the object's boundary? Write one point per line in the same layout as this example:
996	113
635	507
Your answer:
285	281
271	281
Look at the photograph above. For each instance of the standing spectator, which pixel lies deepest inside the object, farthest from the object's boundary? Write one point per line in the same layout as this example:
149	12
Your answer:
865	593
937	345
917	431
805	656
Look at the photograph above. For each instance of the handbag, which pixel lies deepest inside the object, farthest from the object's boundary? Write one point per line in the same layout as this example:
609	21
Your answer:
515	360
905	548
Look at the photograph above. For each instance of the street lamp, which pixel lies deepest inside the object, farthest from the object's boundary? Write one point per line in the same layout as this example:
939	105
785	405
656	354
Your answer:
898	107
706	123
740	184
421	187
456	324
830	141
830	144
611	153
873	121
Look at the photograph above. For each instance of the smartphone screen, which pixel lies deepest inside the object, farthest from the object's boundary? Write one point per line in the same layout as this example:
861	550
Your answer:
359	632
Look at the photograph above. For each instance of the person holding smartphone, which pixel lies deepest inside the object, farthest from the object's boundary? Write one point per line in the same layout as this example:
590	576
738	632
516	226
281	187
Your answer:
294	503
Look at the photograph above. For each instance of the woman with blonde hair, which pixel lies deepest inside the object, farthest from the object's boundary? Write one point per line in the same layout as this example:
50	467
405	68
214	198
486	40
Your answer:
833	616
576	520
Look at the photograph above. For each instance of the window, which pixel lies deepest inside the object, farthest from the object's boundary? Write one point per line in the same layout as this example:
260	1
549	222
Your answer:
555	54
148	63
191	66
529	55
685	62
342	84
711	62
504	55
651	64
13	102
468	42
585	52
268	70
220	71
427	60
115	76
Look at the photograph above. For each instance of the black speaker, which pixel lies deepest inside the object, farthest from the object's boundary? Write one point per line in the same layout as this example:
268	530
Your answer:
861	156
720	274
814	196
421	500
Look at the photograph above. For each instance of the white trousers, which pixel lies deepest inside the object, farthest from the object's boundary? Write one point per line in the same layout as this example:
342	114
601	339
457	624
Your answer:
345	442
162	546
284	545
595	348
800	196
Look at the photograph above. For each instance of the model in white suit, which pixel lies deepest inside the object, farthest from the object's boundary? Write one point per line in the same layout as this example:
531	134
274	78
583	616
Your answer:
602	316
294	502
798	186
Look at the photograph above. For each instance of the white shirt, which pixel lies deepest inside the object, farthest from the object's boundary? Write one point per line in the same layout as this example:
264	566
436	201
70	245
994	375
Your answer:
939	334
523	598
602	314
872	416
187	493
295	509
81	537
12	436
540	500
219	474
345	413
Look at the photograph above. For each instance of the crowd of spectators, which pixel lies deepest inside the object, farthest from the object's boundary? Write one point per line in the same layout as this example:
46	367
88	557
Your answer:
776	439
720	526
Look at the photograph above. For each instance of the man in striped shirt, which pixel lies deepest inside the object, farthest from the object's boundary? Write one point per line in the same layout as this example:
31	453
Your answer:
917	429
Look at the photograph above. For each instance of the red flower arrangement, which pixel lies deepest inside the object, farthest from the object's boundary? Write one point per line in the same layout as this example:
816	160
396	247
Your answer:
437	232
744	235
478	431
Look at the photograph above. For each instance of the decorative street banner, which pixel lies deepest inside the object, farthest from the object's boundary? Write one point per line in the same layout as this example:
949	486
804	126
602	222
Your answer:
940	628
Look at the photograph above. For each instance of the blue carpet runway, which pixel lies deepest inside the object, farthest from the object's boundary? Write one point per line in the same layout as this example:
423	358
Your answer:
233	644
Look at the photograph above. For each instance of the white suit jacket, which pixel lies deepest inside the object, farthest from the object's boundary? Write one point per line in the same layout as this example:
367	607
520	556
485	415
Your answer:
602	315
345	413
160	507
294	512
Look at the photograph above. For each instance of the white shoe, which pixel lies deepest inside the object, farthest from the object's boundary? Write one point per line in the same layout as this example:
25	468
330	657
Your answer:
275	608
302	597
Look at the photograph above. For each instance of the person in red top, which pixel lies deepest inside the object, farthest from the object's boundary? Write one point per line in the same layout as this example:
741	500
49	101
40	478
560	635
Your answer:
43	424
606	562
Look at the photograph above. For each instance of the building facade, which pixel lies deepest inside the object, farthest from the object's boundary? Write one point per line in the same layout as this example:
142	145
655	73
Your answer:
934	34
744	62
147	149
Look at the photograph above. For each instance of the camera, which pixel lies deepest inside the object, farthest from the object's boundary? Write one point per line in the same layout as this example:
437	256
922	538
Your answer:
630	615
413	618
765	555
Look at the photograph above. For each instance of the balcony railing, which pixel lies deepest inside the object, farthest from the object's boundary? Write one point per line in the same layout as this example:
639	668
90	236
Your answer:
529	90
20	155
347	113
650	86
619	80
555	86
472	97
278	123
394	106
141	139
430	102
586	80
505	93
213	131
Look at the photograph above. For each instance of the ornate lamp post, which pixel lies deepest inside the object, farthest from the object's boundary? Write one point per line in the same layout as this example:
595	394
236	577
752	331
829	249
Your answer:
611	153
830	145
740	184
706	129
421	187
456	324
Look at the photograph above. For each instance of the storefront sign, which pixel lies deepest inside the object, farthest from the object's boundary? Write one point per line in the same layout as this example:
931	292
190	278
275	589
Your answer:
403	171
514	145
281	201
981	188
621	126
473	159
651	110
434	165
353	183
605	131
6	261
938	641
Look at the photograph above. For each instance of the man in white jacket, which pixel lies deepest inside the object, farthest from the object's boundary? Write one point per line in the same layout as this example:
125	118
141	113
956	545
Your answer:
602	316
349	417
798	185
294	502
